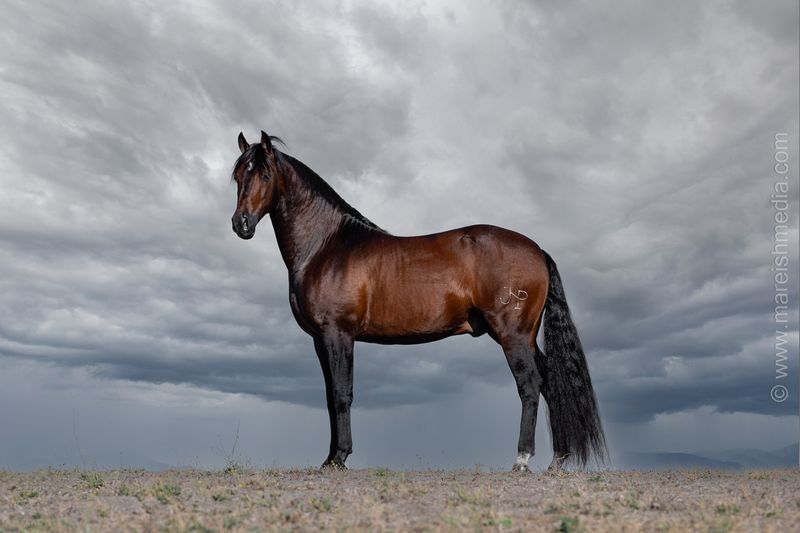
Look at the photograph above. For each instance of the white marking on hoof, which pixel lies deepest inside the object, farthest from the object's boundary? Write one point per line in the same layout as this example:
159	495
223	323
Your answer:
522	462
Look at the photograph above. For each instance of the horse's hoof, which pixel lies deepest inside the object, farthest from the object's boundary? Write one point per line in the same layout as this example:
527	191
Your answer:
520	468
333	464
557	464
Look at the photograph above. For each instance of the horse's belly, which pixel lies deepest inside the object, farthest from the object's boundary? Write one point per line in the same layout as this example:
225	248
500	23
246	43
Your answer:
417	311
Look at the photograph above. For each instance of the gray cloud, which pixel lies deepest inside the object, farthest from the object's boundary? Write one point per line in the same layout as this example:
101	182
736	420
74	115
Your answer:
634	143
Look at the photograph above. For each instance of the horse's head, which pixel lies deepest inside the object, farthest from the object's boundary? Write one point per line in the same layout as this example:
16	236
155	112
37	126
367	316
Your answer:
257	174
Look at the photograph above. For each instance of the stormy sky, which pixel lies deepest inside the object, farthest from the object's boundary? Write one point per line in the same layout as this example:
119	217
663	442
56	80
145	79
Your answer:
634	141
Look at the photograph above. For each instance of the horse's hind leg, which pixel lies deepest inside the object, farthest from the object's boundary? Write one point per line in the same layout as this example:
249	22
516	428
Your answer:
520	357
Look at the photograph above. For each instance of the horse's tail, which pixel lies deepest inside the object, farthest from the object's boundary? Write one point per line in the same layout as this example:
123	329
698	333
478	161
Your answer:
567	388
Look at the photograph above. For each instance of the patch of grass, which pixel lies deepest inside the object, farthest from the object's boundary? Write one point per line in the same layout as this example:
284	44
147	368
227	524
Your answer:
123	490
632	501
92	480
390	488
568	524
26	495
471	498
321	505
721	527
199	528
219	497
595	478
165	492
727	509
497	521
230	522
452	521
382	472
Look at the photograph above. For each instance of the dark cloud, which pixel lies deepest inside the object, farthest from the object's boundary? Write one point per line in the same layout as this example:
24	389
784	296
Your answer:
633	142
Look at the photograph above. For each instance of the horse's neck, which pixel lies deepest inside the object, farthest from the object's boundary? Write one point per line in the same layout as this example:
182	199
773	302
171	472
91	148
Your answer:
304	223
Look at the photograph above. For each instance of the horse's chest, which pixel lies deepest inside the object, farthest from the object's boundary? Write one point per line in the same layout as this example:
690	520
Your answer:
301	312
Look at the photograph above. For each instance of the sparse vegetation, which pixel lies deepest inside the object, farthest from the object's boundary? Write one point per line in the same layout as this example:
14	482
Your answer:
383	500
92	480
164	492
320	504
727	509
234	468
568	524
24	495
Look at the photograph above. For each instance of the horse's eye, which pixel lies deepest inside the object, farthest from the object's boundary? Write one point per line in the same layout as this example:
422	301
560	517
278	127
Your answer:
249	166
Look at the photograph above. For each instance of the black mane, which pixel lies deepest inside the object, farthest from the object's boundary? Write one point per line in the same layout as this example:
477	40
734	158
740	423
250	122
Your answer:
321	188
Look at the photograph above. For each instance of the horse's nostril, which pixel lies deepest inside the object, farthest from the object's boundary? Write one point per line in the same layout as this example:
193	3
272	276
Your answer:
245	224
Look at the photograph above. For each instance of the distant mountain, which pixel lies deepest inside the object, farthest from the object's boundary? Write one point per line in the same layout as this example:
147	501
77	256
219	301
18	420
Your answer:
667	460
786	457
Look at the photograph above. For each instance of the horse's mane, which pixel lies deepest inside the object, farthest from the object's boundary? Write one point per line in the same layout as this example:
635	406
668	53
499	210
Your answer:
321	188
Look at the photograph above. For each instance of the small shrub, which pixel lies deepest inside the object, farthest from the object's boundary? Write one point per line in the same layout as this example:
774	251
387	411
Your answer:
164	492
92	480
568	524
25	495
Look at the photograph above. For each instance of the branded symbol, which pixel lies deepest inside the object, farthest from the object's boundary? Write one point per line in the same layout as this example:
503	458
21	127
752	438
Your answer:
518	296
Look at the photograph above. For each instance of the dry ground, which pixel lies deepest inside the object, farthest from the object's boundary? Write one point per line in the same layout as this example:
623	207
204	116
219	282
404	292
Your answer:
383	500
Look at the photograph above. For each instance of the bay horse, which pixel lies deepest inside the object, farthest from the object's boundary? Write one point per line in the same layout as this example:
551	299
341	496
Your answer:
349	281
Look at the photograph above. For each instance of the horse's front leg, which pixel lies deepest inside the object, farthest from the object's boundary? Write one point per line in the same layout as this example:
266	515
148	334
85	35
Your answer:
335	352
322	354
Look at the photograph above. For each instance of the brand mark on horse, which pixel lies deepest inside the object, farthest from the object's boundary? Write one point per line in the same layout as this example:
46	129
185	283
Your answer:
519	295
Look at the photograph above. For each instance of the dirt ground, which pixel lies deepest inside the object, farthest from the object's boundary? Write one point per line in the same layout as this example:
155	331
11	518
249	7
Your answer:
385	500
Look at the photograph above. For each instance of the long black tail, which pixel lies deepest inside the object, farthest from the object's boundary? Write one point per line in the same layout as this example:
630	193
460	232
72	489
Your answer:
567	388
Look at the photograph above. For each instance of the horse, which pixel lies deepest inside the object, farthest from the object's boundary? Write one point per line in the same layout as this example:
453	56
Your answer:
350	280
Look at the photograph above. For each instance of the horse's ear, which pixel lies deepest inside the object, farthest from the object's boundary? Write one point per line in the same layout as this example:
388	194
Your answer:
243	144
266	142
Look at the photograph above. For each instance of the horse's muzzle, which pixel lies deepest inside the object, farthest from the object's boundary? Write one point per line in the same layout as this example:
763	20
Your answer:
244	225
